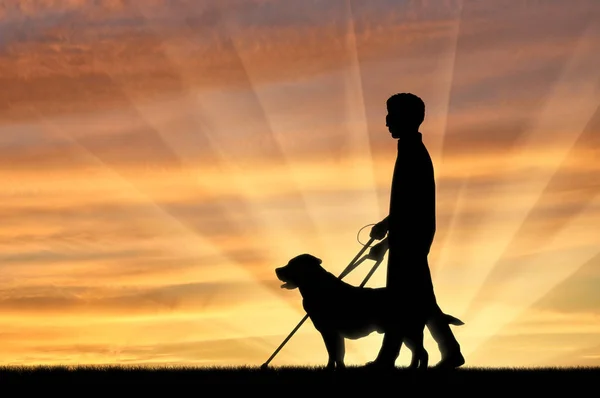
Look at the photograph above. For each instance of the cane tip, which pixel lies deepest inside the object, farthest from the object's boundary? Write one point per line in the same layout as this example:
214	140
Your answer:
264	366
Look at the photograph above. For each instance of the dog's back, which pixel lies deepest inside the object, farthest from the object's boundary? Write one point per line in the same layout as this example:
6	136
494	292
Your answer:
352	311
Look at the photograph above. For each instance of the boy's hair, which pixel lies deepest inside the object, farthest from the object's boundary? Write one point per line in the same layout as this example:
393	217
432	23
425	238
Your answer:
407	105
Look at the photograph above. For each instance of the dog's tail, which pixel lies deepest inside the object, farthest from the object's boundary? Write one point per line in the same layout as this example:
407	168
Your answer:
453	321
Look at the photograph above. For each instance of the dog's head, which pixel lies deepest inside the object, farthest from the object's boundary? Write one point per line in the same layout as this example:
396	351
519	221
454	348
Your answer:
298	271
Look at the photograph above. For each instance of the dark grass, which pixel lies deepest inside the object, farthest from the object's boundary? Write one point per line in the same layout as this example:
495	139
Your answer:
482	381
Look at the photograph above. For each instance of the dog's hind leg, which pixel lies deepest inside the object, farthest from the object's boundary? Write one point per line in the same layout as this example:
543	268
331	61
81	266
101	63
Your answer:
414	361
424	358
335	348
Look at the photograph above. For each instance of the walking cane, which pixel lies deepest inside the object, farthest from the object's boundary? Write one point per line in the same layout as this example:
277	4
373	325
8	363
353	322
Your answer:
353	264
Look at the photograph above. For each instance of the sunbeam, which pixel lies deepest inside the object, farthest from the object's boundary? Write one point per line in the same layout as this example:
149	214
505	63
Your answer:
198	245
555	132
281	103
542	271
224	111
570	189
218	125
437	108
359	145
351	154
219	115
155	143
317	139
436	120
507	61
567	333
104	147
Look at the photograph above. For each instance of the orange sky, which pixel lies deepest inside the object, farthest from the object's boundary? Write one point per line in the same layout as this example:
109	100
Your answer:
161	158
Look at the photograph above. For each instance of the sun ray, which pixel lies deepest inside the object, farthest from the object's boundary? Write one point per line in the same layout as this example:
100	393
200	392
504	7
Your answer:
219	124
216	108
566	182
286	102
544	270
549	329
437	119
452	235
438	125
207	248
436	150
149	114
199	245
555	132
226	221
555	324
219	114
479	92
359	144
158	139
230	172
284	134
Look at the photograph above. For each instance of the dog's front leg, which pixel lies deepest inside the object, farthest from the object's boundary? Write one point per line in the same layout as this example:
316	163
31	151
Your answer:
341	352
335	349
327	339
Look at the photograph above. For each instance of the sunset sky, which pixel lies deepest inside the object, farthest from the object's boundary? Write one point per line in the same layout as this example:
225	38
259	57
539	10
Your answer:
160	158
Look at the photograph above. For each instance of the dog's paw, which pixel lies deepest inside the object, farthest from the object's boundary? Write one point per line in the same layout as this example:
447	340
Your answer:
341	367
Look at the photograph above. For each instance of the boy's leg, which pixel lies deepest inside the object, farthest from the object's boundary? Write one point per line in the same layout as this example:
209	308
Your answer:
440	329
445	339
390	349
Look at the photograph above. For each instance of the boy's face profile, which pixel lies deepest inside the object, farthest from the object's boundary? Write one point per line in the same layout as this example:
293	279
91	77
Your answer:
395	125
401	121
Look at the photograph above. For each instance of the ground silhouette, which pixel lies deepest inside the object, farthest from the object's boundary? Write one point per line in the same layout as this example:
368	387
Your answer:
284	380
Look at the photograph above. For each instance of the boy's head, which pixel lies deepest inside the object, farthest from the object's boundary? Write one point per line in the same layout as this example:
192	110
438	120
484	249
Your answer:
405	113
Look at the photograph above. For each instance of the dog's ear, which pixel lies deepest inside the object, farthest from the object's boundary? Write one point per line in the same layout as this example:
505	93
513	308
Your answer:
315	259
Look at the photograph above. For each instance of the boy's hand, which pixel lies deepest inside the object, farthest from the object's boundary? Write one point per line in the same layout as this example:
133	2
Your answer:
379	230
378	251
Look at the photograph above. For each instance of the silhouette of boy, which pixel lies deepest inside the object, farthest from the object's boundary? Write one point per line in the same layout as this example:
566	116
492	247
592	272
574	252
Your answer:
411	226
